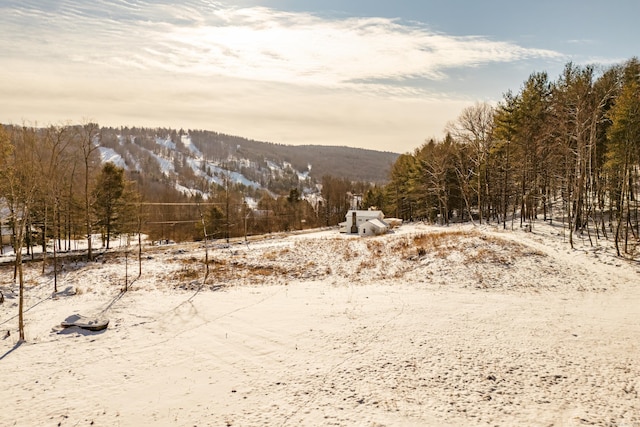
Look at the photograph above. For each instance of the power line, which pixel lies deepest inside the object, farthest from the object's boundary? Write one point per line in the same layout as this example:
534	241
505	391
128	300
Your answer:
174	204
174	222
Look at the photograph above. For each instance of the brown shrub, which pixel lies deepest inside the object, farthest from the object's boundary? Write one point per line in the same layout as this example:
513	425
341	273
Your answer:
376	247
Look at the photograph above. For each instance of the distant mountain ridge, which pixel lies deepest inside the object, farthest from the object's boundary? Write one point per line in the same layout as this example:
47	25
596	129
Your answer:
193	160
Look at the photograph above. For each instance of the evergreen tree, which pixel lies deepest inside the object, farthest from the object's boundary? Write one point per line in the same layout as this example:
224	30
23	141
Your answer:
623	155
109	202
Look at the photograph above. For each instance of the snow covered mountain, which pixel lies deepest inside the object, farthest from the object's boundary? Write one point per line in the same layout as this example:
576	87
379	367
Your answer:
192	161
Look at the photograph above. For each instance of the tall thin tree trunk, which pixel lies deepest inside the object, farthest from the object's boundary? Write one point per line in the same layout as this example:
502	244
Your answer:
88	215
44	237
18	267
621	209
139	243
55	252
506	181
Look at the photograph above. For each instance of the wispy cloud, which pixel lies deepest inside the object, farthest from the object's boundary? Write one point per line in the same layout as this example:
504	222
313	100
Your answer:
252	71
213	39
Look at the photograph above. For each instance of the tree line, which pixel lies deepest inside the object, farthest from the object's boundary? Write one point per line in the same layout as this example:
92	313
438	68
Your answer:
47	184
563	151
57	194
69	195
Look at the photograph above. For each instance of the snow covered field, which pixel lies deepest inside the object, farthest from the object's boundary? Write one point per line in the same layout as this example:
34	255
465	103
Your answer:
457	326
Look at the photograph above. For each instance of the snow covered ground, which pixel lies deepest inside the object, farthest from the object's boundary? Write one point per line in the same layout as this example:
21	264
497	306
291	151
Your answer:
457	326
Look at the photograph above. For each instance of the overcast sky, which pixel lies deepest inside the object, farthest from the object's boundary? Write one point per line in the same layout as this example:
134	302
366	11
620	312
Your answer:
384	75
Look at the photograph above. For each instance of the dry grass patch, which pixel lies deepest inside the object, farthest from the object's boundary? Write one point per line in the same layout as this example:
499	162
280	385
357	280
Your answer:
190	269
235	270
367	264
275	255
488	255
348	253
439	244
188	273
441	238
264	270
474	247
375	247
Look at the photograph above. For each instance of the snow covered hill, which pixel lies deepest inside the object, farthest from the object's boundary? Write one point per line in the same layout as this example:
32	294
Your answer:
194	160
428	325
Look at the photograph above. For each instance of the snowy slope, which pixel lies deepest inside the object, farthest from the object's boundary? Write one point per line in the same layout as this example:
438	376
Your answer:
108	155
437	326
212	172
186	140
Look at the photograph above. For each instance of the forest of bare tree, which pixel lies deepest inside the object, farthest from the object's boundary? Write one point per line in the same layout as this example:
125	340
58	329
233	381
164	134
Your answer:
564	151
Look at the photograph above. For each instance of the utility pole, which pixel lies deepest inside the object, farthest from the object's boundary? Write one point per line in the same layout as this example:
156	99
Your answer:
226	186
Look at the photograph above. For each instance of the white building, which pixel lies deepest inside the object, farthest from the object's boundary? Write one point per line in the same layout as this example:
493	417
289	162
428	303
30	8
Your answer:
364	223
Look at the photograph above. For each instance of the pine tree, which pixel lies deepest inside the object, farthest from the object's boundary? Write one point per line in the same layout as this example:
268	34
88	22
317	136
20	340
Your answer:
623	155
109	202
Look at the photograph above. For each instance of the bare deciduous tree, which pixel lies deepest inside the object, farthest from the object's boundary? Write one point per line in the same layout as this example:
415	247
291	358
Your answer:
19	185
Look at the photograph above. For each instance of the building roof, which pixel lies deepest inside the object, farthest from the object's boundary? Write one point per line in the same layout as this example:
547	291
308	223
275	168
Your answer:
366	214
378	224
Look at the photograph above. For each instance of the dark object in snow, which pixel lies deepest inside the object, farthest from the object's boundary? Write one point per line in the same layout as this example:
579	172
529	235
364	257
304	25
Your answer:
91	324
